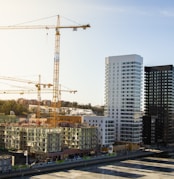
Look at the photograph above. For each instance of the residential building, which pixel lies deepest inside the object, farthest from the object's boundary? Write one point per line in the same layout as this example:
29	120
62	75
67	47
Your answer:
82	137
42	141
39	141
105	127
62	110
158	120
123	96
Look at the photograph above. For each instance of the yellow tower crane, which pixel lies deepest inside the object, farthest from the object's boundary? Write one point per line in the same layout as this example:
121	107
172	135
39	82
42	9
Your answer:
56	53
37	85
46	89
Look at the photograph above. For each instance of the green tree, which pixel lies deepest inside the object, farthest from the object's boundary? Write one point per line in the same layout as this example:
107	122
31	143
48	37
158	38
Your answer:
12	105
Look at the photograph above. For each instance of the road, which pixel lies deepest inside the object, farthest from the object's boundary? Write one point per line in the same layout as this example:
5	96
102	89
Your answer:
141	168
76	164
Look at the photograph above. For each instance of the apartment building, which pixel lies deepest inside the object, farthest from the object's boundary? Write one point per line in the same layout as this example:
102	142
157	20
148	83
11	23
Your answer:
49	142
105	128
82	137
123	96
158	120
36	140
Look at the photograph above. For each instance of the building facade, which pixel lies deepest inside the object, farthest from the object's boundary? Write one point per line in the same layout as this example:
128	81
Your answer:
158	120
37	140
46	142
80	137
123	96
105	129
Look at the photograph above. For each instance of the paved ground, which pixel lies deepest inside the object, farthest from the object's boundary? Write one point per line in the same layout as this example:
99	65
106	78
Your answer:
144	168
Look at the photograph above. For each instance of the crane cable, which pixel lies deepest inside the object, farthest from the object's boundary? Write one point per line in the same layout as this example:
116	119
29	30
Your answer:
44	18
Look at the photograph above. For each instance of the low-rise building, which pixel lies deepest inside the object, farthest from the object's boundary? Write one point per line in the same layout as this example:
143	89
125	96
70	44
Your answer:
44	141
80	137
37	140
105	126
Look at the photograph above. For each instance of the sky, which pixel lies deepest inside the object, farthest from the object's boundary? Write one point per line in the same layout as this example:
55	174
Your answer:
118	27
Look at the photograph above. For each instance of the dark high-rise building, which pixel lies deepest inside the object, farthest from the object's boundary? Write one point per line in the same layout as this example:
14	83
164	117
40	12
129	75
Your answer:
158	120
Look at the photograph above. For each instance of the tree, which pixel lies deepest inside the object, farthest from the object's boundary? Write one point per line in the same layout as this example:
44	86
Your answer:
12	105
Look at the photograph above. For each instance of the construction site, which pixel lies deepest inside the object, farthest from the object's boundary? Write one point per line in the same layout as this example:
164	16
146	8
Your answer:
57	136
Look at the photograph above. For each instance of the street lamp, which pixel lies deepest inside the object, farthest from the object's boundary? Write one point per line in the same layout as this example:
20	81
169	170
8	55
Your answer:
26	154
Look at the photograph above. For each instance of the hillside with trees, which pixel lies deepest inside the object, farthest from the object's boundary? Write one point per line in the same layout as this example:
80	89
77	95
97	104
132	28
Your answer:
11	106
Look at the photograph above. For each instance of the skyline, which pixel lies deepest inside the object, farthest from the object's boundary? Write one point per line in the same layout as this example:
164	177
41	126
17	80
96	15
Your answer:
118	27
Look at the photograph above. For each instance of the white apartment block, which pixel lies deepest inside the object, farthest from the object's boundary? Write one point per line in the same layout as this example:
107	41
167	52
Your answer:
123	95
105	127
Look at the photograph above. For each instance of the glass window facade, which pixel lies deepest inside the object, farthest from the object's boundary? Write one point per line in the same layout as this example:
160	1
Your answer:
158	121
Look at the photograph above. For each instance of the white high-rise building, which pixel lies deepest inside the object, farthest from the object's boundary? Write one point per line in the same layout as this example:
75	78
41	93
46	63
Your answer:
123	95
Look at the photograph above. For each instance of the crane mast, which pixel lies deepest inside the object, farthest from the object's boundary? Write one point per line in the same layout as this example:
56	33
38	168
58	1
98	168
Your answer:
38	96
56	70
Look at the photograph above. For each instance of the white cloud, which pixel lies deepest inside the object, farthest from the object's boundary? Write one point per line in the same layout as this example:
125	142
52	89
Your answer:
167	13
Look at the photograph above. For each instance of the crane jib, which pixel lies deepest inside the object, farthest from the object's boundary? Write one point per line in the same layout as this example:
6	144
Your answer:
43	27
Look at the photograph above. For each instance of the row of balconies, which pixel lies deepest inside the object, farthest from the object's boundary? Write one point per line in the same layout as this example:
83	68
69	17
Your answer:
51	140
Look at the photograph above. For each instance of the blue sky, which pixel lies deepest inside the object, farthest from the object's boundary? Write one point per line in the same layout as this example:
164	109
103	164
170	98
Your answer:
118	27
